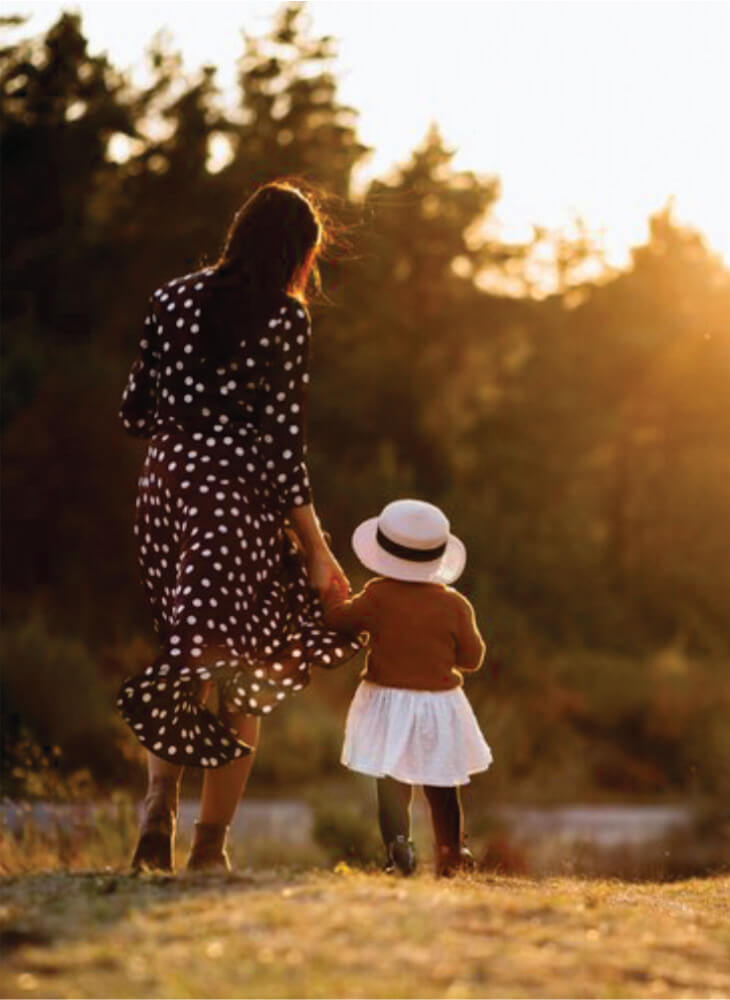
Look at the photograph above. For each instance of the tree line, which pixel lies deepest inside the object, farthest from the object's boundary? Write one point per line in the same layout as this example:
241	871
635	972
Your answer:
578	439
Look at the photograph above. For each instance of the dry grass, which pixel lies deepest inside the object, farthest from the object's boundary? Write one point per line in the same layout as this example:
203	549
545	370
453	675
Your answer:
106	835
315	933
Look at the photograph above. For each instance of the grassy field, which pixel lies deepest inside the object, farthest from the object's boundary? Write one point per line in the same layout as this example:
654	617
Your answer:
349	933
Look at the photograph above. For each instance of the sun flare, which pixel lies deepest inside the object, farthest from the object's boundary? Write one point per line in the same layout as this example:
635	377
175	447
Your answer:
603	111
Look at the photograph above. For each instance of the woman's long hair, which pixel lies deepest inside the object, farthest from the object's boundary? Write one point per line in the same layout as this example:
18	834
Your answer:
271	249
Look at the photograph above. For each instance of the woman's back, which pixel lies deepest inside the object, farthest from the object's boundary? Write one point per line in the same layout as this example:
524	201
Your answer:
220	388
177	383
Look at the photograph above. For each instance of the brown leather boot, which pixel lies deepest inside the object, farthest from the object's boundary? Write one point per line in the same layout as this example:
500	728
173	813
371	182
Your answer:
209	848
155	848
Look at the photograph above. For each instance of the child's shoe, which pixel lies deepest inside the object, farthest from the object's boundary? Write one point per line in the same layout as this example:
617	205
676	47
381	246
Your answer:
401	855
450	860
208	850
155	848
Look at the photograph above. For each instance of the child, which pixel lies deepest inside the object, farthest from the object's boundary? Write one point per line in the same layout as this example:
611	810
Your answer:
410	722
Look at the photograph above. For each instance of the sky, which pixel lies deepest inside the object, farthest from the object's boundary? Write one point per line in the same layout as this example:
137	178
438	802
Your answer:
599	109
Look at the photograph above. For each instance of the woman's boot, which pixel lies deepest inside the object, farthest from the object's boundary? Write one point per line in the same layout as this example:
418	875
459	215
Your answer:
209	848
156	844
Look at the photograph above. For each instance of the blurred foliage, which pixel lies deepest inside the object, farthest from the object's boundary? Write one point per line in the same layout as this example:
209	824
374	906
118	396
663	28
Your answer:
579	441
347	832
303	743
31	771
78	836
57	713
608	726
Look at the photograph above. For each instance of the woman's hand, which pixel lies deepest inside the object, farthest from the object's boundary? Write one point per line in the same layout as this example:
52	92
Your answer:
323	569
325	572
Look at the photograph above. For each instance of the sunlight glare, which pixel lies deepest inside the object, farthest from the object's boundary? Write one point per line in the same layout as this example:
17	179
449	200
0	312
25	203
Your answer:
603	110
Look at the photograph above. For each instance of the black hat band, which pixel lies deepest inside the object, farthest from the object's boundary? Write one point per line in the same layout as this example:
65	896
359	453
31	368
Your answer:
405	552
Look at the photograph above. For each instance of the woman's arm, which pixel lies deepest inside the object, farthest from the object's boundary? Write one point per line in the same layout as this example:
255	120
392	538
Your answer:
283	404
286	338
139	399
322	567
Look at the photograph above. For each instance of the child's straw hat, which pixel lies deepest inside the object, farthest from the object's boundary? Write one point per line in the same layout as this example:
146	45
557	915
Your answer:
410	541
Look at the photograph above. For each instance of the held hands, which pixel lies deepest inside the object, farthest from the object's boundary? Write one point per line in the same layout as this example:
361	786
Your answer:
326	576
323	569
336	593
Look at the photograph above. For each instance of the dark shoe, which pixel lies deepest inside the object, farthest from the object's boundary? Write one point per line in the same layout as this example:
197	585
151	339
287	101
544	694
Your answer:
450	860
208	851
155	848
401	855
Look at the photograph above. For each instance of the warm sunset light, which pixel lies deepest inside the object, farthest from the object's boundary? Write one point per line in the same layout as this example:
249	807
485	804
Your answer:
604	110
365	438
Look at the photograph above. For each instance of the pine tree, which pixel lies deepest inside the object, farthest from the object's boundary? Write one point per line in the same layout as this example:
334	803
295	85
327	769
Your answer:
292	121
58	108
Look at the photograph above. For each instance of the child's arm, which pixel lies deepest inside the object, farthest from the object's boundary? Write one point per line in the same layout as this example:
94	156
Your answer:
354	615
469	643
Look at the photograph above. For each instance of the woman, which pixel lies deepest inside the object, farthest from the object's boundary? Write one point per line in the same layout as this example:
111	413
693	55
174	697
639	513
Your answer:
230	545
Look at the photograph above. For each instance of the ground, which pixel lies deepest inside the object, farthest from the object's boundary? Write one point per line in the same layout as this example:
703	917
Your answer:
348	933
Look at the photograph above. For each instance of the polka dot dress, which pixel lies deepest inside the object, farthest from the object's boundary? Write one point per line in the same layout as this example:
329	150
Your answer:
222	570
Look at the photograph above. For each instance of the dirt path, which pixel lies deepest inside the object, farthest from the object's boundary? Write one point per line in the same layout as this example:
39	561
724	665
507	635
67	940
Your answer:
352	934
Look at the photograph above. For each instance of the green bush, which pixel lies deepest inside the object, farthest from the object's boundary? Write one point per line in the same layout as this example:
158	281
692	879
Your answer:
300	742
585	724
346	831
57	710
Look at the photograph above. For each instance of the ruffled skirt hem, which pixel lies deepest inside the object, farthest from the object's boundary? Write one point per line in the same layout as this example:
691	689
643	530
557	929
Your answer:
418	737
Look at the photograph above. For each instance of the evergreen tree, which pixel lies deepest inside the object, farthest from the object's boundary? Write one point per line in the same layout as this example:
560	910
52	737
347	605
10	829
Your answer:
580	442
412	336
58	108
293	122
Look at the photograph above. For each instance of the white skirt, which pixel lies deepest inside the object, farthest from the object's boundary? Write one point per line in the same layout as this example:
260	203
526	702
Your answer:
419	737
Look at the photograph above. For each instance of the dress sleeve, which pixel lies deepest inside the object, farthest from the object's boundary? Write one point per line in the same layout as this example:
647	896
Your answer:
282	415
139	399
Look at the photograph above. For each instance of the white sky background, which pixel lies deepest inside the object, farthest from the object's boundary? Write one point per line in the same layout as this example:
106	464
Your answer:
600	108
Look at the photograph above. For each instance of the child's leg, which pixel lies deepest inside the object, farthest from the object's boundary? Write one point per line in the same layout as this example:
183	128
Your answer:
446	815
394	809
394	816
448	823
